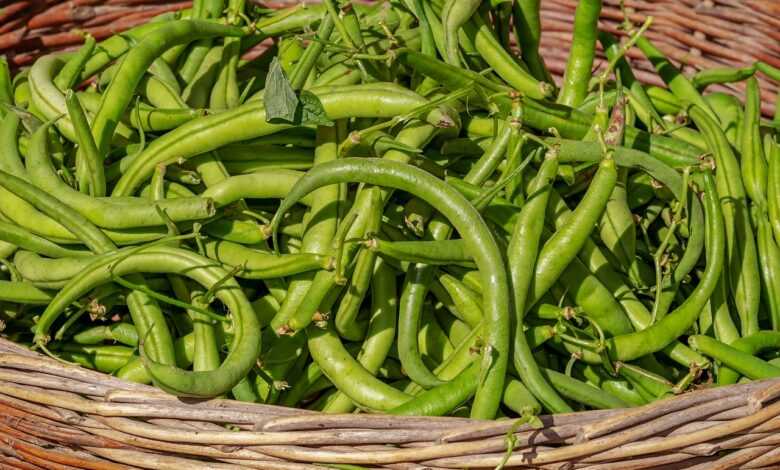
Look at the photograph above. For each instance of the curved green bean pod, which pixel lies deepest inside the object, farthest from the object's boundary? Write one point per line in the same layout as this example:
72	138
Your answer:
348	375
48	273
678	83
442	399
704	78
502	62
104	212
466	221
68	76
454	15
660	334
244	349
118	95
381	330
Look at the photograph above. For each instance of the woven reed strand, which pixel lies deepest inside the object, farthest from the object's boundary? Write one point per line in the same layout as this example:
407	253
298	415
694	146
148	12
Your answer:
53	415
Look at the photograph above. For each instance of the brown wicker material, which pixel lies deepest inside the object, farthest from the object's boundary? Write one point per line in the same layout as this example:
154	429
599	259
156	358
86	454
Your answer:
53	415
696	34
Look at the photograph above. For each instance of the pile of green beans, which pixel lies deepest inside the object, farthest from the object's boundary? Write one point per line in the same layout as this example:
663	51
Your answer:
389	210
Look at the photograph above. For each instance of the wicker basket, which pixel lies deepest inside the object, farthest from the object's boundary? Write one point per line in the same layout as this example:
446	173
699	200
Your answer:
54	415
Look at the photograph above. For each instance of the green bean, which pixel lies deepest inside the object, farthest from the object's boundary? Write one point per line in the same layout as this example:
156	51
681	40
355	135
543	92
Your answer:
523	258
466	221
261	264
772	150
160	93
581	54
466	301
678	83
321	231
104	212
723	325
704	78
268	184
410	310
23	293
346	315
68	76
528	30
616	386
444	398
660	334
6	92
106	359
753	163
653	386
729	111
89	165
564	245
769	254
501	61
48	273
744	363
26	240
303	68
211	132
117	96
426	252
518	399
637	92
348	375
244	348
134	369
743	273
581	392
453	16
117	45
124	333
753	344
199	87
616	226
381	329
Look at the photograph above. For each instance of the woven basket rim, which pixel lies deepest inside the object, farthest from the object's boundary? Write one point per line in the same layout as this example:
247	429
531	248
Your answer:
96	407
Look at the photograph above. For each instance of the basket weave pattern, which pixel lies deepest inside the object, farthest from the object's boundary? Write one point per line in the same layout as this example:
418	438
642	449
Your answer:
53	415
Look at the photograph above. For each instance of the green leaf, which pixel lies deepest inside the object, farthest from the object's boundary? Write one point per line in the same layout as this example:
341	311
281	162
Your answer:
312	111
279	97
